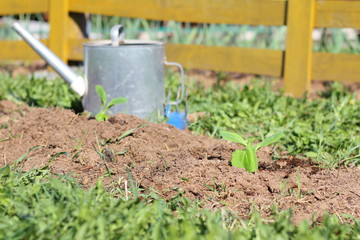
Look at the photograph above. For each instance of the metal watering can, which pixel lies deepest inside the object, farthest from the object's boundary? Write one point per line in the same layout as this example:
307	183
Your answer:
124	68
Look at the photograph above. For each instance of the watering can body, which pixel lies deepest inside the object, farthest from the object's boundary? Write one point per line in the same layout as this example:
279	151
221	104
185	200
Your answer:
124	68
133	70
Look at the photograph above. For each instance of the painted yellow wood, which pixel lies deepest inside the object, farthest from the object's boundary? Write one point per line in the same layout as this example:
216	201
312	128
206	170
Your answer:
73	30
8	7
18	50
338	14
253	12
58	37
298	57
326	66
232	59
336	67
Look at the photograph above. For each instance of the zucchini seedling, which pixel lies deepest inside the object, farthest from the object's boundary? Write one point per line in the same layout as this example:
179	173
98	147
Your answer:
247	158
102	115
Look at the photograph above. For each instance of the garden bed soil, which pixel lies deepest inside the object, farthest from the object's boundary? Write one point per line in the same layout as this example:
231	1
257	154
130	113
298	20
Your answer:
168	161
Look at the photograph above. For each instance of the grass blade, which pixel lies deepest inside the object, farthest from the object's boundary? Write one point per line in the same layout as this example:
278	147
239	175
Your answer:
128	132
20	159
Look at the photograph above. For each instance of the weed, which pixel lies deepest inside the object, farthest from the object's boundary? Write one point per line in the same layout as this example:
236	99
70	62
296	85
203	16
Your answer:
247	158
129	132
102	114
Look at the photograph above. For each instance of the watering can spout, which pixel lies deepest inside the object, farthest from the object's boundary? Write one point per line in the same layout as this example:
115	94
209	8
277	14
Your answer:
76	82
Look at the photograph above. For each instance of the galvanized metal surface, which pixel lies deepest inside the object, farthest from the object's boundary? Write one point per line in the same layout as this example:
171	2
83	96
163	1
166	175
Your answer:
134	70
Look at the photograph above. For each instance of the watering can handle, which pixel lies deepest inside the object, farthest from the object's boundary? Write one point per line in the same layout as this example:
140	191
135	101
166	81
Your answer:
117	35
178	101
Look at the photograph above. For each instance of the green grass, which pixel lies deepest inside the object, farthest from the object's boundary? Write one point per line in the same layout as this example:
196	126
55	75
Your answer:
37	205
326	129
38	92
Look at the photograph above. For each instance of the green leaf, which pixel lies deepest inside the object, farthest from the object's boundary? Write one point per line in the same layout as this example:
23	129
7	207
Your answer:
251	162
101	116
116	101
312	155
128	132
233	137
5	171
269	140
102	94
238	159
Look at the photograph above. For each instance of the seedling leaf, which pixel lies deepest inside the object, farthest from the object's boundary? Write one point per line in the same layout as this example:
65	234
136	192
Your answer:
102	94
101	116
233	137
269	140
238	159
115	101
251	161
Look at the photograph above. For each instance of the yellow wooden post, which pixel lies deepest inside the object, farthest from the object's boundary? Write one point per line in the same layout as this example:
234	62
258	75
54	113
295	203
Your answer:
58	18
298	55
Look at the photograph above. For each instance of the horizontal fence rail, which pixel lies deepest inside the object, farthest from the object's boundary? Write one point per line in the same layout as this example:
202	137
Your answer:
298	64
23	6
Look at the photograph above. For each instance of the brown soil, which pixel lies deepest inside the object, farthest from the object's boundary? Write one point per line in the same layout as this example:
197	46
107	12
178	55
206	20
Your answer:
168	160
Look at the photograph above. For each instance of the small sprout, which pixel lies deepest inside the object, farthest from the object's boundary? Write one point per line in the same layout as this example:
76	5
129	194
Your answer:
122	153
247	158
108	155
102	115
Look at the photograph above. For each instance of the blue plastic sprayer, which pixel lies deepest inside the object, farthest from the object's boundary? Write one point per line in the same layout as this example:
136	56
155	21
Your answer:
177	118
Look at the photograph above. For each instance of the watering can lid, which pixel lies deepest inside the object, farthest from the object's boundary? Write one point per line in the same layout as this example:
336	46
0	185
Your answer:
126	43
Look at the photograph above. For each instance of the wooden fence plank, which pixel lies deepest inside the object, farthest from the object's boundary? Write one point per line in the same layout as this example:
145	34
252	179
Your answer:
298	57
259	12
232	59
59	23
338	14
18	50
8	7
326	66
336	67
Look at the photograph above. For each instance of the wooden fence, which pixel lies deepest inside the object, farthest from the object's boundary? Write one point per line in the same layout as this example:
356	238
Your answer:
298	64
